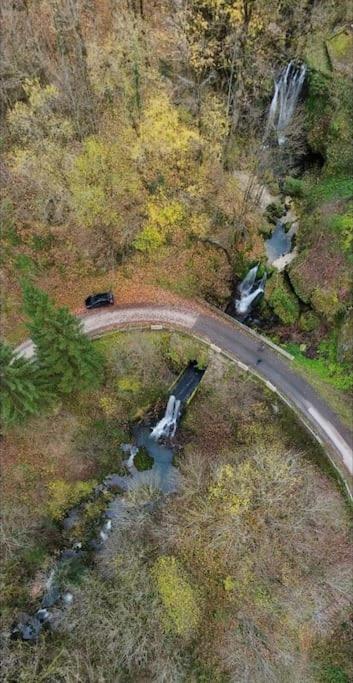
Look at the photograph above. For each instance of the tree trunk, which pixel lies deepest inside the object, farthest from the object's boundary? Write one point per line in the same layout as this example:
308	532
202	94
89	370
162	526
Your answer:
74	72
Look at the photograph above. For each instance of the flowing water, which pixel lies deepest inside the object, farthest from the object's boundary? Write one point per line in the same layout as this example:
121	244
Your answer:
288	87
247	284
166	427
163	475
249	292
279	244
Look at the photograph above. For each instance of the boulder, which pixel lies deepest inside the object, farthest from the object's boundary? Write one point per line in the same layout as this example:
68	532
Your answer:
274	211
299	278
326	302
340	51
282	300
28	628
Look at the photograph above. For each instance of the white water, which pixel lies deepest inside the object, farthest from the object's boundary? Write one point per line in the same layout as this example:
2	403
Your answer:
243	305
249	290
247	284
166	427
285	98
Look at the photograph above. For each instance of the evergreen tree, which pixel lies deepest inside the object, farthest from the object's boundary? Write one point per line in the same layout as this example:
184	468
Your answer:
64	353
23	390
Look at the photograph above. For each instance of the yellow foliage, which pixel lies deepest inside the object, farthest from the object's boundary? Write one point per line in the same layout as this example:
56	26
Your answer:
199	225
215	124
232	488
163	137
64	495
35	120
229	584
108	405
103	182
163	218
178	597
129	383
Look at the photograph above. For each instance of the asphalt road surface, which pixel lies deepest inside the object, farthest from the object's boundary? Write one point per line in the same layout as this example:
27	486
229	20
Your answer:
227	336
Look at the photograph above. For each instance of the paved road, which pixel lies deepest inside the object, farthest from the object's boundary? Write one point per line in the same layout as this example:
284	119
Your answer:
233	339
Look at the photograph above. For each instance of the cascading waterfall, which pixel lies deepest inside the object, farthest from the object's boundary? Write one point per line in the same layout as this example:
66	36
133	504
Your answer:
247	284
166	427
249	290
288	87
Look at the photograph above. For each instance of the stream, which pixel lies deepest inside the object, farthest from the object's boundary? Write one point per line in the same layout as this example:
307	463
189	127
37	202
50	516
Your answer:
279	246
158	441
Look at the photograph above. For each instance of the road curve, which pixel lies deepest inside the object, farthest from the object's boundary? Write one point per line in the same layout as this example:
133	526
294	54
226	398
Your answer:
230	338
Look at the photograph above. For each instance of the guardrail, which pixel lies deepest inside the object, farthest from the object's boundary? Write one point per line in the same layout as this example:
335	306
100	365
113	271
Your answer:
247	329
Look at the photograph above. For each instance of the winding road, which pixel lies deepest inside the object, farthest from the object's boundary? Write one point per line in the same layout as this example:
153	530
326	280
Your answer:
252	352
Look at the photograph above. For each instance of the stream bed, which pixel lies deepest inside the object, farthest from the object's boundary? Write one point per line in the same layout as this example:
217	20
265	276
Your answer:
163	475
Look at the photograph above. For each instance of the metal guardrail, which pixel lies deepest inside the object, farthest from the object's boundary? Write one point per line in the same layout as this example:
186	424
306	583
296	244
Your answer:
247	329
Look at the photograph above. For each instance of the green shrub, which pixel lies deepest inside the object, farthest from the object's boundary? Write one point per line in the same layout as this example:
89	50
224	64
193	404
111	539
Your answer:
179	351
326	365
330	188
294	187
343	224
308	321
333	674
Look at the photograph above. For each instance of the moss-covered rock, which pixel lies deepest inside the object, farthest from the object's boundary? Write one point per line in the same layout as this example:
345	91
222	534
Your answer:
308	321
274	211
316	55
345	340
326	302
302	286
294	186
266	229
143	460
340	50
282	300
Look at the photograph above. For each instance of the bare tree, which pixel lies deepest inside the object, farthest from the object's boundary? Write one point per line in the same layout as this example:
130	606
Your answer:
72	53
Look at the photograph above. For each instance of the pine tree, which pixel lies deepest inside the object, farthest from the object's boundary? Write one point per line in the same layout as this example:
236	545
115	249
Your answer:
24	391
64	353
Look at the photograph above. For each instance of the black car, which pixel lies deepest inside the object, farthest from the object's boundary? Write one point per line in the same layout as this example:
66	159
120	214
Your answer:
98	300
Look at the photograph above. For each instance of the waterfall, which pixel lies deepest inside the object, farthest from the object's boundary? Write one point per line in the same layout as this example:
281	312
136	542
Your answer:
166	427
247	284
285	98
249	290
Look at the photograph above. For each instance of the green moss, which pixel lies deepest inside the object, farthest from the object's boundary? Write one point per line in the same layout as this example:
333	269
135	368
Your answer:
343	225
274	211
143	461
65	495
294	187
330	188
317	57
179	350
302	288
266	229
308	321
326	302
129	384
340	49
326	367
282	300
333	674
